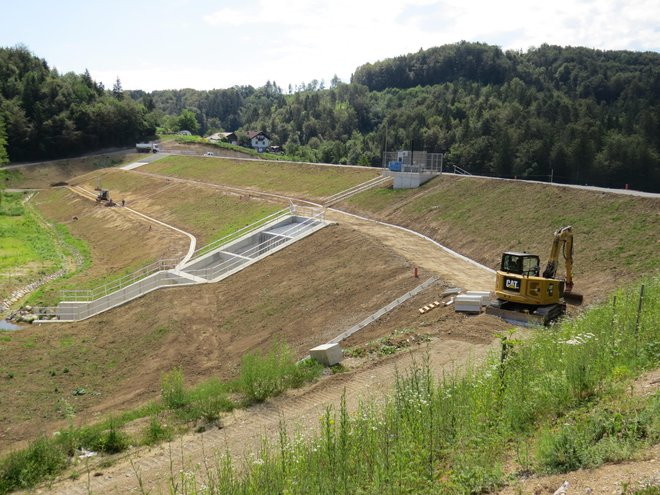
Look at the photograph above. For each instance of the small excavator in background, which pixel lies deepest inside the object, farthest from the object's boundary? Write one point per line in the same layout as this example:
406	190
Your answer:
104	197
526	297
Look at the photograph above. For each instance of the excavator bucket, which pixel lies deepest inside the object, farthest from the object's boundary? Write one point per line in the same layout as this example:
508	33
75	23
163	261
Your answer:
573	298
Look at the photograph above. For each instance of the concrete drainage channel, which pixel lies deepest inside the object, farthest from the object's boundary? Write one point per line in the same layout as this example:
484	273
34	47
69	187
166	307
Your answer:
209	264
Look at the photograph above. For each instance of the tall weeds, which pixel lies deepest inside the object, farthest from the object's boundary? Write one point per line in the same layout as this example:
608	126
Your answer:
453	434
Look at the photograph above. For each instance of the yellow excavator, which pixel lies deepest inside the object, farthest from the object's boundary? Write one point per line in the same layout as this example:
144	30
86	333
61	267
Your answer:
524	296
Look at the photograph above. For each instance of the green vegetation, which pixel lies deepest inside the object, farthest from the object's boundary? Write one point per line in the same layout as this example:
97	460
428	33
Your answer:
46	458
47	115
264	376
302	180
27	250
576	114
555	402
226	146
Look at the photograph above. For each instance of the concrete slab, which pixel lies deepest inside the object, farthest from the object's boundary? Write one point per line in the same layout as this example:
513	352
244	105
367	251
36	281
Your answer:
327	354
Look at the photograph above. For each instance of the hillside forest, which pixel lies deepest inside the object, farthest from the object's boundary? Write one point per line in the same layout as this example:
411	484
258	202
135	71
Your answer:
575	115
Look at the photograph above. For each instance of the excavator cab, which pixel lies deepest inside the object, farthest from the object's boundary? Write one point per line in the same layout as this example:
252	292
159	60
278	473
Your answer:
521	264
103	196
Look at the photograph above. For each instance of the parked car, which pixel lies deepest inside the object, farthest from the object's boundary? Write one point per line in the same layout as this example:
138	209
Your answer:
209	153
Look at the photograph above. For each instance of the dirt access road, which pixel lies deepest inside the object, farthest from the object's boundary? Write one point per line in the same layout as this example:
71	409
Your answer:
425	253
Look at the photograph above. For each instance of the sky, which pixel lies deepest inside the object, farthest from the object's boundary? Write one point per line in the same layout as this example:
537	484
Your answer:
207	44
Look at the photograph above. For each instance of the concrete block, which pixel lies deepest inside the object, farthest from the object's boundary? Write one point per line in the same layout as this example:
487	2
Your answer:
327	354
485	296
465	303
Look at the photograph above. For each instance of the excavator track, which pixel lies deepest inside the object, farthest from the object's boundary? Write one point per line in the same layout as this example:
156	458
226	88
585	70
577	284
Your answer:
519	314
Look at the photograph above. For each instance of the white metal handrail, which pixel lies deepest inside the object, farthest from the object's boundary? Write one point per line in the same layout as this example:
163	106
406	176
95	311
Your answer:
101	298
120	283
239	233
355	189
210	273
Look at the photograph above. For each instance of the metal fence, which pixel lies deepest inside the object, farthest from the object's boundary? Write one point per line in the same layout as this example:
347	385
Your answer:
240	233
413	161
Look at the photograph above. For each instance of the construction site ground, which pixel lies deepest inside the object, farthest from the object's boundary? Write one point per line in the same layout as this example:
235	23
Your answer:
304	295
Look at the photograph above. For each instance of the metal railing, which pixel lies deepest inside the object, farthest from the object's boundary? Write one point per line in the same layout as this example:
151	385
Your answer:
458	170
376	181
85	303
238	259
87	295
212	246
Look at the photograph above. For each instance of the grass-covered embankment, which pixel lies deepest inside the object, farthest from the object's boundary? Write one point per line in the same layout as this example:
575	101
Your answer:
557	402
615	235
28	250
302	180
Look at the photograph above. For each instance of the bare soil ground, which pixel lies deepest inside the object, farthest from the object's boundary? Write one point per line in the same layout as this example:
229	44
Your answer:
111	234
616	237
304	295
46	174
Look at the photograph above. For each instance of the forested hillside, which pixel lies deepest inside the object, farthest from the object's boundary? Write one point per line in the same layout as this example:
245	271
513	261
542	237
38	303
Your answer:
582	115
577	115
46	115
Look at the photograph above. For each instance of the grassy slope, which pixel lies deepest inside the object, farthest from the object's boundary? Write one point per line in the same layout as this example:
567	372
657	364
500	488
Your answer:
48	173
615	236
27	250
206	213
302	180
204	329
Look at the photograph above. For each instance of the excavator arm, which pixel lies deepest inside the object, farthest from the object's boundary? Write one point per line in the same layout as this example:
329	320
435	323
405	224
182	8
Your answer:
562	242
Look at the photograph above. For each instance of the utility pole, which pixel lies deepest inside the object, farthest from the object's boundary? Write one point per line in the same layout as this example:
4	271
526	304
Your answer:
412	153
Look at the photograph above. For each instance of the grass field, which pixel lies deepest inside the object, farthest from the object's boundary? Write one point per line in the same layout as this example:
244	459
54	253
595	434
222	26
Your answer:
206	213
555	403
306	181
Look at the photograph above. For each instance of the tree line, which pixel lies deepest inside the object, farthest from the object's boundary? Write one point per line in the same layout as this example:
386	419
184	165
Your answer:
566	114
46	115
569	114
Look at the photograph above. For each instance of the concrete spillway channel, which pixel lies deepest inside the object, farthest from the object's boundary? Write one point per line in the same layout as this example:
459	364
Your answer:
209	264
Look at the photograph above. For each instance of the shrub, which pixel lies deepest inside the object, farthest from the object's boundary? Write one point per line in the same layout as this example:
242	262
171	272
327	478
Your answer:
264	376
111	441
305	371
600	434
172	391
28	467
157	432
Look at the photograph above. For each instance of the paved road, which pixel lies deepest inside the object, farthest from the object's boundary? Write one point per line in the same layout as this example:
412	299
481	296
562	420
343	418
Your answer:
148	158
